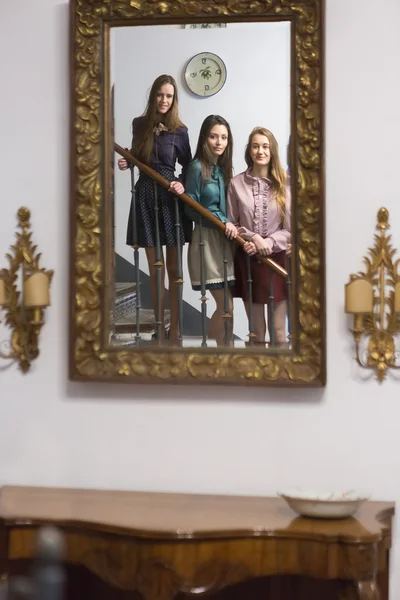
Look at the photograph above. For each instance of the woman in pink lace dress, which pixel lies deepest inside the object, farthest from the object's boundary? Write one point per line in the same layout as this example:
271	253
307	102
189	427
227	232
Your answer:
259	206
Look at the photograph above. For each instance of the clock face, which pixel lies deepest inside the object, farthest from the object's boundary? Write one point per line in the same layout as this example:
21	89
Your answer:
205	74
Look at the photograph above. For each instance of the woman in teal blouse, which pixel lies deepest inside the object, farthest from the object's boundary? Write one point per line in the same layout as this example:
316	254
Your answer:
207	179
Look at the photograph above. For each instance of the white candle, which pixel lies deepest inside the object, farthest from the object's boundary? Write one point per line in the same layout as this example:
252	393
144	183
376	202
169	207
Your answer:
2	292
397	297
37	291
359	296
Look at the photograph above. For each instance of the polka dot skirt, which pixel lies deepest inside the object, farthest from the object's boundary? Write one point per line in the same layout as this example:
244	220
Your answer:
146	215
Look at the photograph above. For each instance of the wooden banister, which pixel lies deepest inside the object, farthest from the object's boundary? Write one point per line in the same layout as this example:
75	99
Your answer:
206	214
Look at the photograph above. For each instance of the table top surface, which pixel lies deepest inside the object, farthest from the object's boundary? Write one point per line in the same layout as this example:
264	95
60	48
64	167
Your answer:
183	516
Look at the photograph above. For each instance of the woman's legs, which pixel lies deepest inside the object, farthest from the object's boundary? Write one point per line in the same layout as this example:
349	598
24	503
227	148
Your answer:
280	312
260	324
216	330
172	269
171	258
151	259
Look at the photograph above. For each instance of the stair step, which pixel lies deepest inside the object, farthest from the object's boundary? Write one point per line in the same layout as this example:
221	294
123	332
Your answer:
122	289
127	324
191	341
128	339
125	301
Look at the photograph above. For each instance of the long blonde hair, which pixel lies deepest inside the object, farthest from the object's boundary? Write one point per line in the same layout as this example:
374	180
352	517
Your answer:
276	172
143	136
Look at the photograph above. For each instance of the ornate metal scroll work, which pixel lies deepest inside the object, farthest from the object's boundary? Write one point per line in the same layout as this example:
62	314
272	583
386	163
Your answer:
382	325
25	323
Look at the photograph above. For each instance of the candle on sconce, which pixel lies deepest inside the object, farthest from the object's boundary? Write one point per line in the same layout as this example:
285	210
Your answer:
397	297
2	292
37	291
359	296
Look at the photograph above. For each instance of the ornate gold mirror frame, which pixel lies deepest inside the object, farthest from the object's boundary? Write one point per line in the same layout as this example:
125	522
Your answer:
91	237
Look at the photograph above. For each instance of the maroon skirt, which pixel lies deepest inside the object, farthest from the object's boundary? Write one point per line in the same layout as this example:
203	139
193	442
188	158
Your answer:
260	275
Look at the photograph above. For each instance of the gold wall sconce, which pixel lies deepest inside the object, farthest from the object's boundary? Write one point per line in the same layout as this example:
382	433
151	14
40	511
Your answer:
373	298
24	310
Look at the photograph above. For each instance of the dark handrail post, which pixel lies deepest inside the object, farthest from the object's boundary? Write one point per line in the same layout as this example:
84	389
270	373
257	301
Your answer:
179	272
158	266
227	316
271	310
136	257
289	294
203	289
250	307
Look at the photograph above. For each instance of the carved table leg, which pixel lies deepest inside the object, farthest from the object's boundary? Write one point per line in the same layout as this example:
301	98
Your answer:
368	590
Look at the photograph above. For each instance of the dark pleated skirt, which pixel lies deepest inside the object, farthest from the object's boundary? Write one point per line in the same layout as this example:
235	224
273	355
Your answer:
146	215
260	275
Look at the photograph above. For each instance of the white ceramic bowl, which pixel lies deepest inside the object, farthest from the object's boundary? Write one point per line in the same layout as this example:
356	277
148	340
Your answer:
335	505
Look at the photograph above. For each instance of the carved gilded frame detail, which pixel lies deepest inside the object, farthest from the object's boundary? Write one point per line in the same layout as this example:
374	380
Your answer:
90	356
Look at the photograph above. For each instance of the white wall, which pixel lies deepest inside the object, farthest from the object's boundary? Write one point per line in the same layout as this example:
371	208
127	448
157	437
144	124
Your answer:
203	439
252	95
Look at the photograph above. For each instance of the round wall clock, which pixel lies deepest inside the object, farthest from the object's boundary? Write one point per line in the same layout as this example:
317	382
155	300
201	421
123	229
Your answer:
205	74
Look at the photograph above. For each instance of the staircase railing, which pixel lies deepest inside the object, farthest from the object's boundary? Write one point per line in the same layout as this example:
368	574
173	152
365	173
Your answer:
203	212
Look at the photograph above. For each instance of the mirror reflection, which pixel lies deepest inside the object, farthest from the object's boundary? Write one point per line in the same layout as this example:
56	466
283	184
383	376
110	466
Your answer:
203	240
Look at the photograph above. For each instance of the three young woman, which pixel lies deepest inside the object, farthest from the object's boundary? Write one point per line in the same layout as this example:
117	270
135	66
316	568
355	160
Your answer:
254	204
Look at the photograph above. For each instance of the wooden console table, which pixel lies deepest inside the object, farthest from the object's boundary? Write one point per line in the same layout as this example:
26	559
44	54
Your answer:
163	545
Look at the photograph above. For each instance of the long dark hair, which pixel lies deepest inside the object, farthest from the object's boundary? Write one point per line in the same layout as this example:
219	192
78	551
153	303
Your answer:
276	172
203	152
143	137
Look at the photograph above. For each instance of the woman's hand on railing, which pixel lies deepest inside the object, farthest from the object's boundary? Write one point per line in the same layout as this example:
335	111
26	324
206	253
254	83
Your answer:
122	164
230	231
263	245
289	250
250	248
176	188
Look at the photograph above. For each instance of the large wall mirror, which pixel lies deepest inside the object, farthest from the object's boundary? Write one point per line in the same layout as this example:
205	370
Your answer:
197	238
